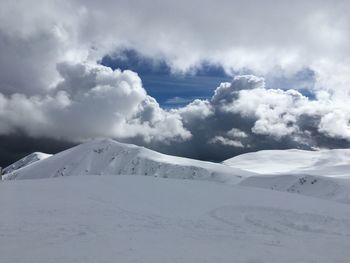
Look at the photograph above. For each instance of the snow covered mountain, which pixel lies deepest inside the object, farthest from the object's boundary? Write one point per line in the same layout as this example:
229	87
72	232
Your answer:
29	159
147	219
323	174
108	157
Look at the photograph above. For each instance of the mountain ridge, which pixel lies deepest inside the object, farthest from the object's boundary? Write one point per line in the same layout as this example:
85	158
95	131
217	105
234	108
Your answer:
109	157
27	160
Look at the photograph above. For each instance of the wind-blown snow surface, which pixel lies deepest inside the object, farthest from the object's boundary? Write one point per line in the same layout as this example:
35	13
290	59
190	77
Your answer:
322	162
324	174
85	219
29	159
108	157
336	189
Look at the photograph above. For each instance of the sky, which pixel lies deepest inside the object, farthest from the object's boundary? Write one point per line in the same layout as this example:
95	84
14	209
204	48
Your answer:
228	78
168	88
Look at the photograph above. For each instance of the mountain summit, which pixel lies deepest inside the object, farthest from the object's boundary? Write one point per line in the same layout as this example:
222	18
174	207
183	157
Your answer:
108	157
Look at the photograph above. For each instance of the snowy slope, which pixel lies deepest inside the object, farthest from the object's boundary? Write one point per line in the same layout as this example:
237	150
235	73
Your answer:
108	157
29	159
322	162
336	189
89	219
324	174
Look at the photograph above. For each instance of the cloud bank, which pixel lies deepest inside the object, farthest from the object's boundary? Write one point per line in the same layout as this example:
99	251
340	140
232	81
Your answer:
52	86
243	115
91	101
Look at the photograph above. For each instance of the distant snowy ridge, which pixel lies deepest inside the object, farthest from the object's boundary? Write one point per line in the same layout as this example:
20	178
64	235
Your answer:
323	162
323	174
108	157
27	160
336	189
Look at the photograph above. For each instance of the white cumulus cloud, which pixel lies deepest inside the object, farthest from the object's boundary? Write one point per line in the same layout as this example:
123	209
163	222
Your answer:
90	101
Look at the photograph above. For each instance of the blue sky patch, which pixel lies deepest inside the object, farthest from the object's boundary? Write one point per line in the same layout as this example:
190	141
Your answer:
169	89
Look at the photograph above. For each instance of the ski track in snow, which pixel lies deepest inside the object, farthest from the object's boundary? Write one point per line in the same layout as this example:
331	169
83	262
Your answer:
146	219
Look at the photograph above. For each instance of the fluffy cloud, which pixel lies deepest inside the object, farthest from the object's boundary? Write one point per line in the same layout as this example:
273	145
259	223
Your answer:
234	137
336	124
91	101
245	115
263	37
196	110
51	86
236	133
260	36
225	141
275	111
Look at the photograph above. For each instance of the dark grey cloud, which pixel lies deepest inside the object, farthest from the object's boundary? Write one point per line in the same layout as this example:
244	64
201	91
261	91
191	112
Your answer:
25	62
16	146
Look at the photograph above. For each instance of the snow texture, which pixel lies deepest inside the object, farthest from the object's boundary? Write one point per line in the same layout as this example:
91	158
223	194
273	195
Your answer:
322	162
323	174
88	219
